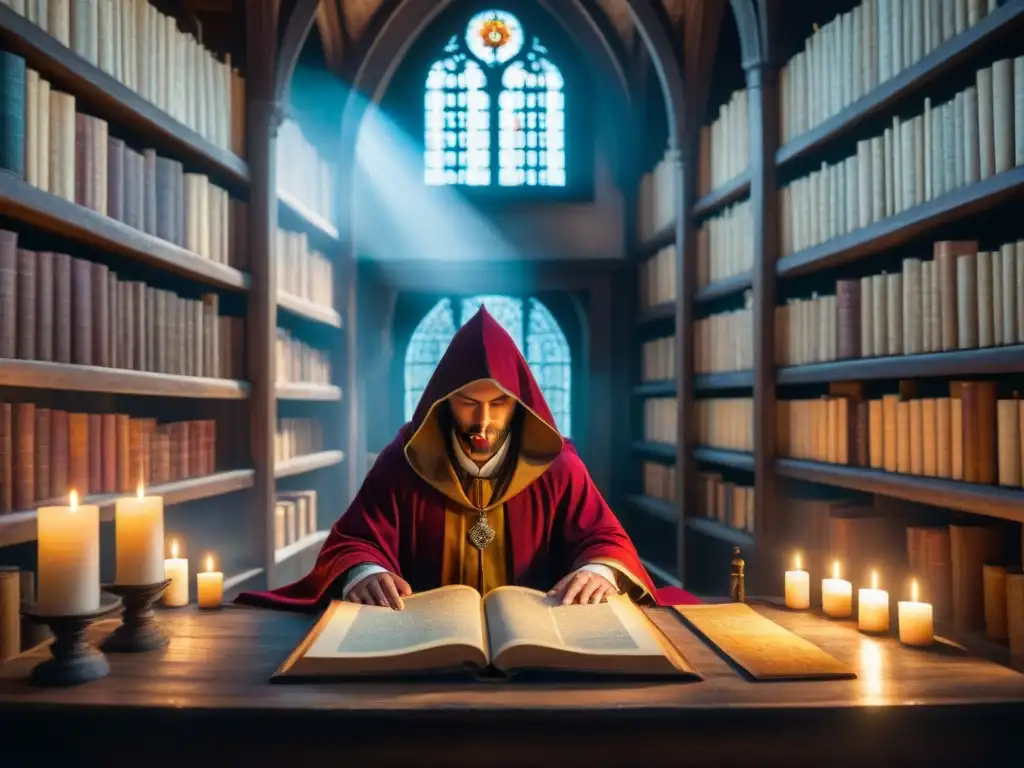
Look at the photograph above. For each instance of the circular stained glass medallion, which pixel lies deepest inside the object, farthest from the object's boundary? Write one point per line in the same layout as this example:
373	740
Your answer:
494	37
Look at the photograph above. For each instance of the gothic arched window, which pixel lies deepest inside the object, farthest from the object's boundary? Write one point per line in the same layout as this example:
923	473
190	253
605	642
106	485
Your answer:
546	349
491	78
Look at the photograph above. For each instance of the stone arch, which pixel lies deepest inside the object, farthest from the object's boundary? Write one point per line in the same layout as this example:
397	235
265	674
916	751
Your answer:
748	26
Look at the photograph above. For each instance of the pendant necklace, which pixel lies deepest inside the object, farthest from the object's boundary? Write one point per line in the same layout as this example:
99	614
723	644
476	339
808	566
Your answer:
481	534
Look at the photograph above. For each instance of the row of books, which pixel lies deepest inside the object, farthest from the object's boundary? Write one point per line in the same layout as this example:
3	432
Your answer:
656	198
974	136
298	362
725	244
724	150
658	359
302	174
294	517
302	271
58	308
729	503
660	420
972	435
46	453
725	342
297	437
962	299
71	155
857	51
725	423
961	569
145	50
659	480
657	278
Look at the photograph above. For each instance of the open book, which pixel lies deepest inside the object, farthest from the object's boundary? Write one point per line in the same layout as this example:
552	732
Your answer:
512	629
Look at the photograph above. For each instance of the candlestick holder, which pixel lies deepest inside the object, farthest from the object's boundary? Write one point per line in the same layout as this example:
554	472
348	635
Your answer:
74	660
139	631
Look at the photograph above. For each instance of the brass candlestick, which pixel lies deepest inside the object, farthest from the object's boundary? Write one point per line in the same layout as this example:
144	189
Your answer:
737	587
74	660
139	631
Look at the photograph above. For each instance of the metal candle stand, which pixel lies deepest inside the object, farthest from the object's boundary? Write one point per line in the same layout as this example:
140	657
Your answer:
139	631
74	660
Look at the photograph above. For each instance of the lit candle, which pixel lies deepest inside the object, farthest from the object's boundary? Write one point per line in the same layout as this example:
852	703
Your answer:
209	586
139	532
873	607
915	619
836	595
68	542
798	587
176	569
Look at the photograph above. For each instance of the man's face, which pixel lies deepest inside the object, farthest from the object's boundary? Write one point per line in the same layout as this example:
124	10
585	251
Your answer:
482	415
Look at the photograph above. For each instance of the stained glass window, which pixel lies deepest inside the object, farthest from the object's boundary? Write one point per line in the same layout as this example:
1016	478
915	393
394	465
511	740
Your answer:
491	77
546	350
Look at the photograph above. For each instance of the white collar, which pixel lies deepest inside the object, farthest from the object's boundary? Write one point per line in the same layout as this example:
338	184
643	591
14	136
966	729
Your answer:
487	470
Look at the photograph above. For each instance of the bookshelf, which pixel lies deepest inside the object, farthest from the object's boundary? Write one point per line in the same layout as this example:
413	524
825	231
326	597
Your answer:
154	367
811	122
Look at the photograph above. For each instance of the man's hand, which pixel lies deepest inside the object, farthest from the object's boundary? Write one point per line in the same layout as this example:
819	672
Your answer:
583	587
384	589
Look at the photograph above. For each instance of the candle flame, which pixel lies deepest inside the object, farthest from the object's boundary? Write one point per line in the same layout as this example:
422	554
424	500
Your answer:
140	490
209	564
874	579
73	500
174	548
913	590
835	570
797	562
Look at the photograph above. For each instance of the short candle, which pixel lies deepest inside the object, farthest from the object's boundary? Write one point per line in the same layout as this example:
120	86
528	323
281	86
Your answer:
139	535
68	551
176	569
915	620
798	587
873	607
836	595
209	586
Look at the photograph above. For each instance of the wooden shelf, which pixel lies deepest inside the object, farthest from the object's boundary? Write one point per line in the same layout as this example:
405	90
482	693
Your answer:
661	239
309	392
308	310
20	527
723	288
312	223
903	227
107	98
991	500
968	362
732	459
36	374
909	83
730	192
665	388
656	314
712	382
61	217
300	546
720	531
662	451
308	463
659	509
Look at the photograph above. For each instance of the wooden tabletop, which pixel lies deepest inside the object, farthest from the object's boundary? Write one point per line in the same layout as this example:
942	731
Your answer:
220	662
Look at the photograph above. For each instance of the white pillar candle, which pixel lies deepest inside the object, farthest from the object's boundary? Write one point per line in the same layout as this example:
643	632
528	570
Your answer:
836	595
176	569
798	587
139	533
68	542
209	586
873	607
915	620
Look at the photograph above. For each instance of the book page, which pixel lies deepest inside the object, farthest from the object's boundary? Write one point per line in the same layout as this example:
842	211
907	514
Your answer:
445	616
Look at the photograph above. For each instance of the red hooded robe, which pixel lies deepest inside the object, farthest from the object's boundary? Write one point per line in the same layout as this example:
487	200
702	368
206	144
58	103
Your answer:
556	518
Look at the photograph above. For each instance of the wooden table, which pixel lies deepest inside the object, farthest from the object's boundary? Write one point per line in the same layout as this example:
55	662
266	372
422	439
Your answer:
206	699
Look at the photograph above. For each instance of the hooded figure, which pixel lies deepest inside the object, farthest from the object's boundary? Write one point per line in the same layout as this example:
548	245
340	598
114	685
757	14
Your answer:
478	489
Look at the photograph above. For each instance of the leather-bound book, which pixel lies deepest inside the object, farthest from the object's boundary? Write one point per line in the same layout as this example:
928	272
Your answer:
42	458
81	312
24	455
6	459
62	308
131	184
166	209
95	452
8	294
139	321
116	321
44	306
970	548
848	306
98	180
150	184
84	158
59	456
136	452
115	178
126	482
26	303
979	431
12	113
928	551
108	441
100	290
78	453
